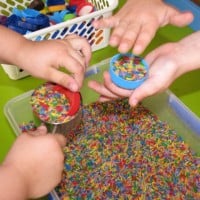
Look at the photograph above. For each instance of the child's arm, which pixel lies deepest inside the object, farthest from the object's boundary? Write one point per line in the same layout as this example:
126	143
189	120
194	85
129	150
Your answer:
136	23
33	166
43	59
12	184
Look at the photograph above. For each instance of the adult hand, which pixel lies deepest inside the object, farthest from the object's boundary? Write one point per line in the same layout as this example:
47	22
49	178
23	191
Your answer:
166	62
136	23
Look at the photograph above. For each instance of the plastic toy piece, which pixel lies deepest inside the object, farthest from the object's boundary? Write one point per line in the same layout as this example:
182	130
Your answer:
58	17
3	20
69	16
56	8
83	7
128	71
27	20
31	16
15	23
37	5
56	5
28	12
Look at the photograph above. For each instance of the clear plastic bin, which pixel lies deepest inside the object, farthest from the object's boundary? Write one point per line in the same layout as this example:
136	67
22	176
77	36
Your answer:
166	106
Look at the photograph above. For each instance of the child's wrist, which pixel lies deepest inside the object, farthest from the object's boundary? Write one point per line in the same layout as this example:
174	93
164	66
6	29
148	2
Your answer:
15	184
21	58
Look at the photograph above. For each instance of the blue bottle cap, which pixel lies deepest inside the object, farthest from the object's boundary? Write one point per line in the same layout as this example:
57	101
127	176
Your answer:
128	71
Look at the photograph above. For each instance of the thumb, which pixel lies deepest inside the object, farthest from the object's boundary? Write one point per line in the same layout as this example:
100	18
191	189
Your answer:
60	139
182	19
41	130
148	88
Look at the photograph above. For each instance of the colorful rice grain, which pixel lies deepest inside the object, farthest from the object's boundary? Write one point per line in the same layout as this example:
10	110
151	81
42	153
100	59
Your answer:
128	153
49	105
129	68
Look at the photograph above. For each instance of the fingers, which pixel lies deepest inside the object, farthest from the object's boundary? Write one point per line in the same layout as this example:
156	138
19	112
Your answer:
126	35
104	99
123	36
65	79
120	28
133	35
106	22
181	19
75	64
82	46
163	71
100	89
113	88
108	90
135	25
148	88
86	53
162	50
145	35
60	139
78	56
41	130
118	32
130	34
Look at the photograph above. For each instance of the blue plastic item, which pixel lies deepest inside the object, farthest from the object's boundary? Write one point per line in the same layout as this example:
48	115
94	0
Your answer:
55	2
28	12
120	75
58	17
27	20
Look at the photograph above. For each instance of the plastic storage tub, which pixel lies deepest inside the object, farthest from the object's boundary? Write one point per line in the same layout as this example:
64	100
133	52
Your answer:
80	25
166	106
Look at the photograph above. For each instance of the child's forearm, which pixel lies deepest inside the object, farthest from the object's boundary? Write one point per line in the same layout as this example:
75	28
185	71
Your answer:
12	184
10	45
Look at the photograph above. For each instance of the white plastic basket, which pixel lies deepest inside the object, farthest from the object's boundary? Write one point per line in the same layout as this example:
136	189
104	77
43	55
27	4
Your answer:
82	26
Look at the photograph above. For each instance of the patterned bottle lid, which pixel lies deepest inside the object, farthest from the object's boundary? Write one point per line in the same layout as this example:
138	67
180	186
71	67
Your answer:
128	71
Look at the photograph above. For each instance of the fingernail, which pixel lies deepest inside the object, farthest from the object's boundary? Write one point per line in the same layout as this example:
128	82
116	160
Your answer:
133	102
73	87
137	49
123	48
113	42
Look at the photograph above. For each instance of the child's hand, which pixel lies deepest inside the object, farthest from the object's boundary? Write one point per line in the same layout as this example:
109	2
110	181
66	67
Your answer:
43	59
33	166
136	23
167	63
161	75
